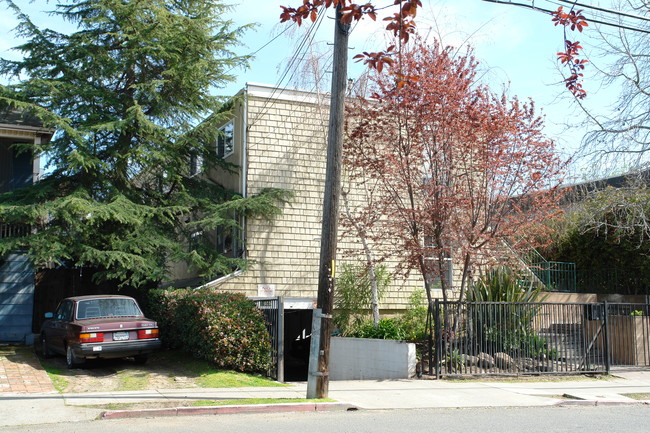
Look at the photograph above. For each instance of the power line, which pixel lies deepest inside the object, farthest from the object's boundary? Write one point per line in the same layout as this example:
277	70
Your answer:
591	20
259	49
290	67
299	52
598	17
611	11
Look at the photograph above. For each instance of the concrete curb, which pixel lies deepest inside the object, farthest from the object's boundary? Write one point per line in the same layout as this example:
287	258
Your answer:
600	403
228	409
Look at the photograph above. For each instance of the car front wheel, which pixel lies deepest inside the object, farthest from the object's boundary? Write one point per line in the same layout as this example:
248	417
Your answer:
71	360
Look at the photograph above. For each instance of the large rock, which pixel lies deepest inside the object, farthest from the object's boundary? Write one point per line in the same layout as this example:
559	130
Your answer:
528	364
503	360
471	360
485	360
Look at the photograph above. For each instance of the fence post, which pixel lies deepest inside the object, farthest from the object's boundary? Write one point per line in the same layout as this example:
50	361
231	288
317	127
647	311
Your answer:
606	329
436	312
280	354
430	330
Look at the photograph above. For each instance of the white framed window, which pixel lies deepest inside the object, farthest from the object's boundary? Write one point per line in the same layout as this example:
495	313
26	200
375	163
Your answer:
229	240
195	239
434	276
226	140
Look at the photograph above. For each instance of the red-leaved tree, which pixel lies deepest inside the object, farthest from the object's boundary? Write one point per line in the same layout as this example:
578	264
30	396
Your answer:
455	168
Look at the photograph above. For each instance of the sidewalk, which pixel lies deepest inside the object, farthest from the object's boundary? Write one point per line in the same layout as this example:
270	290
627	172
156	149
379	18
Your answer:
37	408
26	398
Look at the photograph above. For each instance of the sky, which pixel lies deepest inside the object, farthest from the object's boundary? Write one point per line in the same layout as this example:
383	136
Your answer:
516	47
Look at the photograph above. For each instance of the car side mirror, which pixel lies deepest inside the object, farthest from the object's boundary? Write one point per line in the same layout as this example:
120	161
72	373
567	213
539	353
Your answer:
49	315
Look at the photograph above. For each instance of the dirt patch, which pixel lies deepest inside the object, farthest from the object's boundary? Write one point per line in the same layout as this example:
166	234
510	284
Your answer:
164	370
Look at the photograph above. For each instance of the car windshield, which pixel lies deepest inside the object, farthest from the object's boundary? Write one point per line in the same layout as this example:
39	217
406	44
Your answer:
107	307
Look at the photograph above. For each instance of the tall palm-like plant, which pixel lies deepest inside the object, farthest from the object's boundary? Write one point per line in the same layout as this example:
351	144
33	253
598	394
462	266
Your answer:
502	284
502	312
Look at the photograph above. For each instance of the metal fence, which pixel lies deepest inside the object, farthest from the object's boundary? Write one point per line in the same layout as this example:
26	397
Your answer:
556	276
496	338
273	309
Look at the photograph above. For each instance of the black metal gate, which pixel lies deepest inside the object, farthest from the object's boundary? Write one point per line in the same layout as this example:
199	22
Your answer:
493	338
273	309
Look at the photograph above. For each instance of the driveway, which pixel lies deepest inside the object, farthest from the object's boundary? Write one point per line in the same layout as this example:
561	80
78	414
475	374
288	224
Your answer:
21	371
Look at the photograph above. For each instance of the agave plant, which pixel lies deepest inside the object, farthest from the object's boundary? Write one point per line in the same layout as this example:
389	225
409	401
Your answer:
506	325
502	284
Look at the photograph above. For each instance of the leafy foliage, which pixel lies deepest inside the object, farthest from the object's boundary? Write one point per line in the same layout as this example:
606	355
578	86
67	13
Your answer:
413	320
505	323
400	24
130	95
606	232
387	329
454	167
226	329
502	284
576	21
409	325
353	297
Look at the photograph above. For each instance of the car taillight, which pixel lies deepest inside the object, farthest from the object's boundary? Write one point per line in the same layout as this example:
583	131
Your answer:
147	333
95	337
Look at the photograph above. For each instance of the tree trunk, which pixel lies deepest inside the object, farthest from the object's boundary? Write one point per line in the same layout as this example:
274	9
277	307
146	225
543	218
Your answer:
370	259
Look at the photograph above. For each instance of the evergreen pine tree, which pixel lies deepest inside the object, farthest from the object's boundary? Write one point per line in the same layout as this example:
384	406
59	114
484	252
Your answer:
130	95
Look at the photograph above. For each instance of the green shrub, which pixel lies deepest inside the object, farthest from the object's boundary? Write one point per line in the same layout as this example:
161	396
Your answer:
502	284
454	360
353	296
387	329
507	324
226	329
413	321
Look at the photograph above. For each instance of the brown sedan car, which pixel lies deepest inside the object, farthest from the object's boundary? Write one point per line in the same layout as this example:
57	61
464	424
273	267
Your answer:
102	326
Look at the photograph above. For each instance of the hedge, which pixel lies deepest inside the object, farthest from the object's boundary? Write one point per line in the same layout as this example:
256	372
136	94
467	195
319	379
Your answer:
226	329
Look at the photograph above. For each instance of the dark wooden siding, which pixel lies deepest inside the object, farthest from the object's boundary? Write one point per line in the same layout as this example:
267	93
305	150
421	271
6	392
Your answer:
16	298
52	285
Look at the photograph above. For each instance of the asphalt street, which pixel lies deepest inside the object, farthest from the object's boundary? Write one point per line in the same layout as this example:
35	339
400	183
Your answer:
592	419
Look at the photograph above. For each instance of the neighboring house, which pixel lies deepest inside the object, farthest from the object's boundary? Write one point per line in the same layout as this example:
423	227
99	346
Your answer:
16	275
277	138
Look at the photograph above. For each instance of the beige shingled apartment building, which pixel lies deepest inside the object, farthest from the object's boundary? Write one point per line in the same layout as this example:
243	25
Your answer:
277	138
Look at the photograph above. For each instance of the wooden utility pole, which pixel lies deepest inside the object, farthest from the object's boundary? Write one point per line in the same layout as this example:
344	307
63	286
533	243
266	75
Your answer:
329	231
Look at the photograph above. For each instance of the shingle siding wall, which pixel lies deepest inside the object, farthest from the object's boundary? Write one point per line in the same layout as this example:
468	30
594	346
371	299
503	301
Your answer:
287	149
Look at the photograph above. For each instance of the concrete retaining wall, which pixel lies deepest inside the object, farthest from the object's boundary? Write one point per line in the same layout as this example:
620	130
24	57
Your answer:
562	298
363	358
